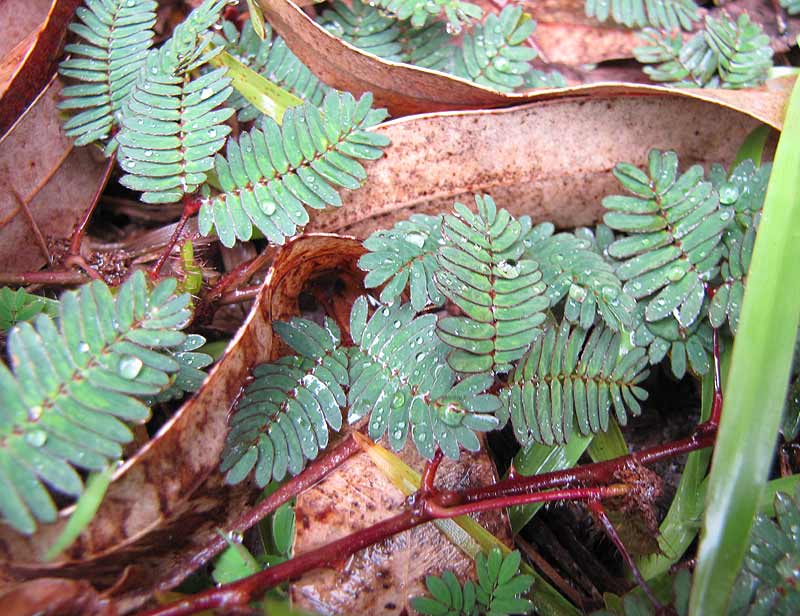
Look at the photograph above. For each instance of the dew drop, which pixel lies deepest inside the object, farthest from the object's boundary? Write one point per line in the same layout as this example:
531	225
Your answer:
676	273
36	438
397	435
416	239
422	437
206	93
130	367
577	293
34	413
397	324
398	400
268	207
453	29
83	347
508	268
728	194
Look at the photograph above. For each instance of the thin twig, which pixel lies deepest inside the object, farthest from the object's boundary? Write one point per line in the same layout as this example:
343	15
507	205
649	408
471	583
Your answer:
83	223
596	507
47	277
37	232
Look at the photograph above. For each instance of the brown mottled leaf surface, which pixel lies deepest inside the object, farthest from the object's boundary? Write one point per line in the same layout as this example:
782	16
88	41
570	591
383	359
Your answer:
41	169
54	597
551	159
33	32
383	578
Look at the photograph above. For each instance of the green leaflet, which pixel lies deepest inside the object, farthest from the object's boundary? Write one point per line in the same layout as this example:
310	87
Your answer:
663	14
499	590
744	190
284	415
398	378
570	381
271	174
725	53
17	306
792	6
689	348
494	54
673	247
115	38
405	257
501	294
173	124
272	59
73	387
422	12
371	29
573	268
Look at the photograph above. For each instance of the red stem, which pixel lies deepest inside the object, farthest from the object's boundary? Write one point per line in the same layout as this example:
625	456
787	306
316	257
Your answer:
523	490
429	474
716	405
191	205
313	473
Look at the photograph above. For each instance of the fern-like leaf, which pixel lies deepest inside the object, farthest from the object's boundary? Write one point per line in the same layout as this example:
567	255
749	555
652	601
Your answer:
273	59
571	379
792	6
116	36
75	386
501	294
422	12
674	226
743	50
283	417
663	14
572	268
725	53
499	590
173	125
494	54
770	580
636	603
17	306
688	347
398	378
271	174
370	28
692	64
405	256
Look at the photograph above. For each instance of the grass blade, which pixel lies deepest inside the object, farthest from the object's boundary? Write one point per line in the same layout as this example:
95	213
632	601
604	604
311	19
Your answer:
758	380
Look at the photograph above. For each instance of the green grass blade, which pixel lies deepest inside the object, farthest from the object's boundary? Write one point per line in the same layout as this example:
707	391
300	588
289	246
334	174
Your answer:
758	380
85	508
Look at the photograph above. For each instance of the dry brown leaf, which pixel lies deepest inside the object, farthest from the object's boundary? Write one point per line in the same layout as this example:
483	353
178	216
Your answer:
383	578
54	597
405	89
33	32
551	160
46	184
564	34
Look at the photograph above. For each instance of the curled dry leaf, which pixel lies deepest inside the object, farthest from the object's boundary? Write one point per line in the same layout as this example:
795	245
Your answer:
383	578
33	34
168	500
46	184
405	89
549	159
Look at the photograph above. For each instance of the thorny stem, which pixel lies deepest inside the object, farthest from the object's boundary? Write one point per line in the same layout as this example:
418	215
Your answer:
596	507
445	504
191	205
47	277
